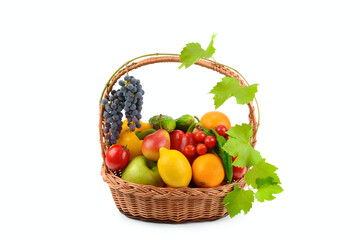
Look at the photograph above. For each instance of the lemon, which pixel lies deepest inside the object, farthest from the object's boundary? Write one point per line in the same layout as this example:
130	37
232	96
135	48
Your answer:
174	168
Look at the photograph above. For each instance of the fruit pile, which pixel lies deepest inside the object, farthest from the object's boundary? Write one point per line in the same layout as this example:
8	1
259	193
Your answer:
184	152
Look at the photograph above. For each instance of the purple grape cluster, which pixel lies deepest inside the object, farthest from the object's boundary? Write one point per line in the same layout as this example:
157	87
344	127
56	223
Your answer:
128	98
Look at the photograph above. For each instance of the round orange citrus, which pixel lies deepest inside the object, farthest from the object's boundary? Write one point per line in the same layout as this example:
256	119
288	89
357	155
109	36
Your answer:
215	118
208	171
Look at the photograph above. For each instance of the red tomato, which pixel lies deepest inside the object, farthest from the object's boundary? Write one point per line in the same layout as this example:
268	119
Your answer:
221	130
189	150
238	172
201	149
210	141
199	136
117	157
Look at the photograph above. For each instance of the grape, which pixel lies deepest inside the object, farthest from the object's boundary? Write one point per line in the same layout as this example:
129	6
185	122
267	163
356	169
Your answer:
121	83
106	130
138	95
113	106
135	120
107	136
109	143
116	101
109	120
134	90
132	107
132	127
106	115
113	141
111	98
133	81
116	117
104	101
107	108
112	130
114	125
138	125
130	86
113	92
127	78
107	124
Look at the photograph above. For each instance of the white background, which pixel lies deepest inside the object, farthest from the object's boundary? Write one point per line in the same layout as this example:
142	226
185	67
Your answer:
55	58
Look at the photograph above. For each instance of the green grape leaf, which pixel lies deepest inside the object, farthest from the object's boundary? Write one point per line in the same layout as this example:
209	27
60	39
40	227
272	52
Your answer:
263	171
192	52
230	87
242	132
238	145
265	181
238	200
266	192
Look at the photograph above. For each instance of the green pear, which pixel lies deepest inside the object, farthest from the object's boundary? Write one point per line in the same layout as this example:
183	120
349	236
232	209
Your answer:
141	170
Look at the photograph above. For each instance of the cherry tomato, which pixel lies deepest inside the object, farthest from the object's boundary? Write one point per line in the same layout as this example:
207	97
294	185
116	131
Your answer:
238	172
117	157
200	136
221	130
189	150
210	141
201	149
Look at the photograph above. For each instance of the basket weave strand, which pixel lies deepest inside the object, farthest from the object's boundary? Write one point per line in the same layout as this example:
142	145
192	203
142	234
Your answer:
168	205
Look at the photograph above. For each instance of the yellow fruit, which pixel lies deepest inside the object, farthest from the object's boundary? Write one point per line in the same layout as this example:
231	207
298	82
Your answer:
174	168
208	171
131	141
144	126
215	118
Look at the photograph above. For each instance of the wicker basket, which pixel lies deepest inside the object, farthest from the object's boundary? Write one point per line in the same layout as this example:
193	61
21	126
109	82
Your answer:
168	205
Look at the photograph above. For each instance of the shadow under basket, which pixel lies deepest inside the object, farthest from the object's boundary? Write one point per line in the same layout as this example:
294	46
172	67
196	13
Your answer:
168	205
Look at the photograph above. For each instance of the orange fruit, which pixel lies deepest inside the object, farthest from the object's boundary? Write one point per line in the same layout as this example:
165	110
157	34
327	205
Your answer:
208	171
132	143
215	118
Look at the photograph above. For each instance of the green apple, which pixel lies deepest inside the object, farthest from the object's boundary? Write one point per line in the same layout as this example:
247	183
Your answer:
140	170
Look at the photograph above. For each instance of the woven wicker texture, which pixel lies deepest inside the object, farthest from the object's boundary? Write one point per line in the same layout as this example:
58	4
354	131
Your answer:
168	205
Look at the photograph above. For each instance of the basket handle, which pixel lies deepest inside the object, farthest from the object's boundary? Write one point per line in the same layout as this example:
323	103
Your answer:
164	57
